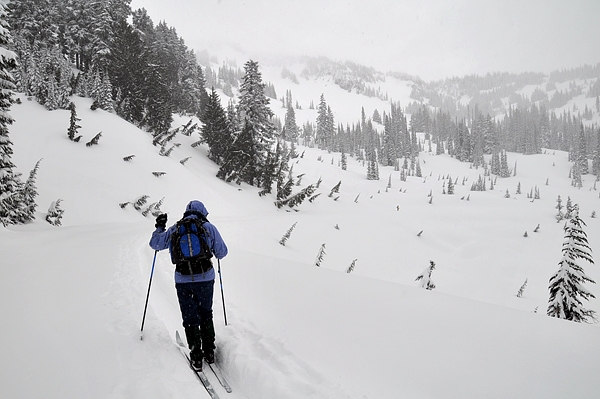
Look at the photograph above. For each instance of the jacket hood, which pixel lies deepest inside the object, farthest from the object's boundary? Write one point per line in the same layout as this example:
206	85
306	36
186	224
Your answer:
196	206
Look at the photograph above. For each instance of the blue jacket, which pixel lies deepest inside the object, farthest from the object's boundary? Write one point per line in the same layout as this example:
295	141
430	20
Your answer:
161	239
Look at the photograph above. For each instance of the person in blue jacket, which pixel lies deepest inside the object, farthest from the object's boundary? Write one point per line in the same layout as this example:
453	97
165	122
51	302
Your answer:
194	284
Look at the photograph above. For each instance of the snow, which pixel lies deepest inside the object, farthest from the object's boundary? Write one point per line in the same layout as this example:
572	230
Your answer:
73	296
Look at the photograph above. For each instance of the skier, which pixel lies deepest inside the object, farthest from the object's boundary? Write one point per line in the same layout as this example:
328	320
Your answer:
194	283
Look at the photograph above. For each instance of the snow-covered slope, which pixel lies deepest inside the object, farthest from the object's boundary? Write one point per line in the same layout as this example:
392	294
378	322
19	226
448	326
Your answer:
72	296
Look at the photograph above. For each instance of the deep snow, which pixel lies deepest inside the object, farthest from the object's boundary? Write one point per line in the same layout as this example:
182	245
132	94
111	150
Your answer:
73	296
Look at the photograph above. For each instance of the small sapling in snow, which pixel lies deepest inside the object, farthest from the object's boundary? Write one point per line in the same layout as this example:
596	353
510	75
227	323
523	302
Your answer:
425	277
55	213
287	234
320	256
94	140
352	266
520	293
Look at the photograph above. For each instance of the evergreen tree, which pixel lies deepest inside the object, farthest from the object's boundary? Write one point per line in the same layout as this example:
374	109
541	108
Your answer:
128	58
321	136
569	210
344	161
352	266
55	213
287	234
29	193
335	189
10	183
566	286
330	129
596	163
576	181
270	170
373	166
582	153
450	186
258	132
216	131
298	198
284	187
522	289
559	215
239	163
191	82
320	256
94	140
158	111
425	277
73	126
33	20
291	129
102	92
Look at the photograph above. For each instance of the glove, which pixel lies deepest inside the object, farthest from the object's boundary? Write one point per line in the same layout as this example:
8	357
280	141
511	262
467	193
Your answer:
161	221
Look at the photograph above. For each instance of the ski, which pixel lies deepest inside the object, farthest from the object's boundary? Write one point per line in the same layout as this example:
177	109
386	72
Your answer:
217	372
200	374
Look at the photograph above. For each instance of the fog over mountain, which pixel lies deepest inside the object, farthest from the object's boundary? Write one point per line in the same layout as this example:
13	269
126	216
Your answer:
433	39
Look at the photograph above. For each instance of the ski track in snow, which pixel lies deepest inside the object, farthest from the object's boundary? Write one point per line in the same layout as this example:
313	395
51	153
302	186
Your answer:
262	364
256	366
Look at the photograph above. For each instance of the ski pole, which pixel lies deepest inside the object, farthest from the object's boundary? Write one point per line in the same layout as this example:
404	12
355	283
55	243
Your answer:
222	295
147	296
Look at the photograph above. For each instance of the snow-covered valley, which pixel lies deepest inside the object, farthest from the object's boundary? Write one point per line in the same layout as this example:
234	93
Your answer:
73	296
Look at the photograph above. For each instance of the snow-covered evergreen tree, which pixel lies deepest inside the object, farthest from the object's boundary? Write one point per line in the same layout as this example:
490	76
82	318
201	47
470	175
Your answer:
94	140
352	266
101	92
271	168
522	289
576	181
559	207
287	234
247	157
582	153
10	183
566	286
55	213
73	126
596	161
344	161
418	171
450	186
216	131
238	165
298	198
425	277
29	194
321	135
290	127
569	209
320	256
335	189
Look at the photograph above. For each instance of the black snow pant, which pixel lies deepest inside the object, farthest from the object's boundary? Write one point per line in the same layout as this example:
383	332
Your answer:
195	302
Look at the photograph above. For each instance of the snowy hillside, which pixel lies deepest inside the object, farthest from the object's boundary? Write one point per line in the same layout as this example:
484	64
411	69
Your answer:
72	296
349	88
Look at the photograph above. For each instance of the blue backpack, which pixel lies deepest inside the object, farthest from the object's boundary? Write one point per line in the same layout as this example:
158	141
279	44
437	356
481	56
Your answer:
189	242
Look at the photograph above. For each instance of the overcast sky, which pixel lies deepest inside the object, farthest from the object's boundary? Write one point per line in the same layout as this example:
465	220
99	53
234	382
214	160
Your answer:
429	38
